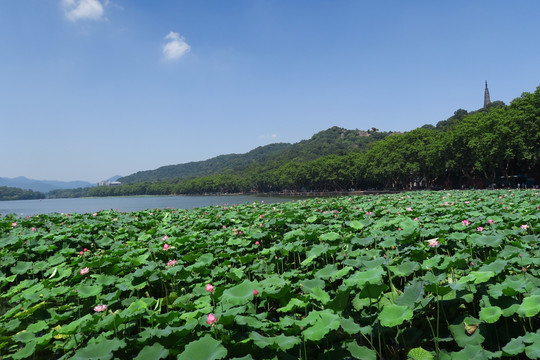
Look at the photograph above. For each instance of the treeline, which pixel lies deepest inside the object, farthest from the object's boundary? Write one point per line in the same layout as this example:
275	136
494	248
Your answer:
477	149
333	141
11	193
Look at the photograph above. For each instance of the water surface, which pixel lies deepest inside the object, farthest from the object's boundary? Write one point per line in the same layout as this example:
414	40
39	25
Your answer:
136	203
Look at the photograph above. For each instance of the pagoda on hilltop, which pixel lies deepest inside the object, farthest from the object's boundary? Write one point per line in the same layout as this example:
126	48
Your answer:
487	101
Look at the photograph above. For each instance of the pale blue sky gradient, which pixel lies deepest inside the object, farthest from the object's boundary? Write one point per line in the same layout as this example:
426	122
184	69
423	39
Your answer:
87	91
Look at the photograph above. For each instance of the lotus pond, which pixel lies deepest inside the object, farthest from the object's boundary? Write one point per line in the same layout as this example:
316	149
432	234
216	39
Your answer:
420	275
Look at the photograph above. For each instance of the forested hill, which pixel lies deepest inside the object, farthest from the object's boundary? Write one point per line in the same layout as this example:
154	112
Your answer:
336	140
230	162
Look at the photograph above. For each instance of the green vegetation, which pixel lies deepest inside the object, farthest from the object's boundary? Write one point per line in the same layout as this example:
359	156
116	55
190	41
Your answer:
418	275
11	193
476	149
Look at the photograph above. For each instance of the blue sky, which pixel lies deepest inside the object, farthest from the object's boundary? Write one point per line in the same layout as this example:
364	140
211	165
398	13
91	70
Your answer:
94	88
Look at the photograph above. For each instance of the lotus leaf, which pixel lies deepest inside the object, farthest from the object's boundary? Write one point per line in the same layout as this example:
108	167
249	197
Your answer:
154	352
324	322
206	348
99	349
530	306
361	352
393	315
419	354
490	314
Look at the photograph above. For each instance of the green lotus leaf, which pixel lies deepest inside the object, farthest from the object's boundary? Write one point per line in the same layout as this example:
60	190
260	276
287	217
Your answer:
317	250
404	269
259	340
204	261
514	347
277	342
154	352
86	291
37	327
490	314
206	348
372	291
21	268
533	350
327	271
99	349
361	352
330	236
26	351
530	306
24	337
134	309
239	294
412	293
419	354
485	240
325	322
319	295
349	326
360	278
357	225
393	315
286	342
465	333
294	303
477	277
496	266
472	352
309	284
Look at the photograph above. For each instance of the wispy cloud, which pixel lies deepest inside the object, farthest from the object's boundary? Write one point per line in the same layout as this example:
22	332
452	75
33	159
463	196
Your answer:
83	9
272	136
176	46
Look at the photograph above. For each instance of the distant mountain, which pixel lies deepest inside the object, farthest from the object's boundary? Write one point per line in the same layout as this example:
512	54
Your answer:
335	140
44	186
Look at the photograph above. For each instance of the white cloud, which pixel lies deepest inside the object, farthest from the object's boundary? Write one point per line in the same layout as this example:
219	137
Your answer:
176	46
82	9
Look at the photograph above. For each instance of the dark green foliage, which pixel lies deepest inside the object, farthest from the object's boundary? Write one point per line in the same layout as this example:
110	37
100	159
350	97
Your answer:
420	275
11	193
476	149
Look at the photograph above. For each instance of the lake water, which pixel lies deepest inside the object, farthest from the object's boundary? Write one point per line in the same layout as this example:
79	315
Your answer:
91	205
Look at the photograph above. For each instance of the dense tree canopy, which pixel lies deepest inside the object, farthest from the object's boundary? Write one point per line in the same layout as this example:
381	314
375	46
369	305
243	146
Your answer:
11	193
492	145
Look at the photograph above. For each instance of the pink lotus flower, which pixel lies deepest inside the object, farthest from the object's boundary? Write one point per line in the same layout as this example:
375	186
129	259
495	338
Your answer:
85	249
13	224
255	292
479	228
209	287
409	209
164	238
171	262
81	252
466	222
84	271
210	319
100	308
33	229
166	247
433	242
525	226
257	243
490	221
